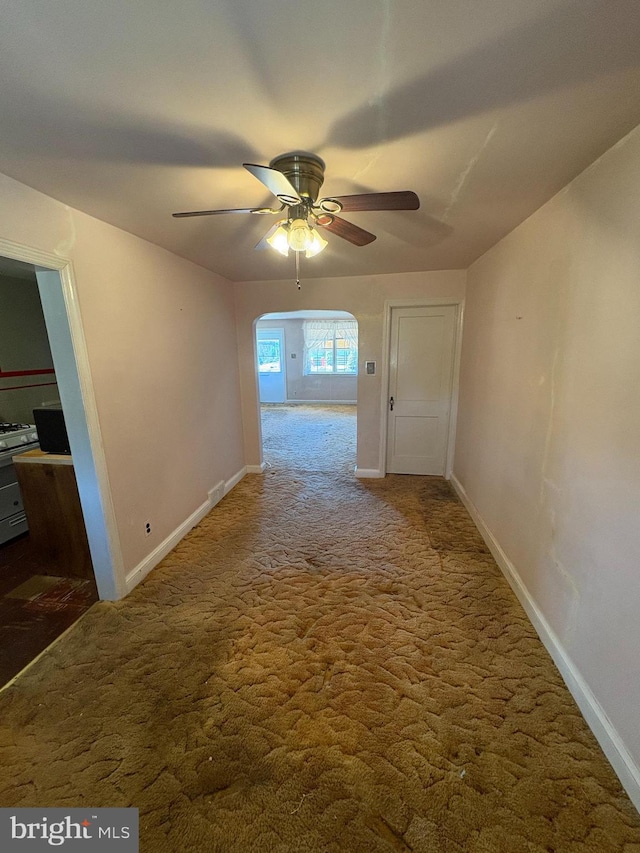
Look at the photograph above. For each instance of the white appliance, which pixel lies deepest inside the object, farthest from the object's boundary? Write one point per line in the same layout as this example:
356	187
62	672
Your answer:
14	439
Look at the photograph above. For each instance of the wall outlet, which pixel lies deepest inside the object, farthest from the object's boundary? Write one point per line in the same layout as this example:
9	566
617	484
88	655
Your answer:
147	528
216	493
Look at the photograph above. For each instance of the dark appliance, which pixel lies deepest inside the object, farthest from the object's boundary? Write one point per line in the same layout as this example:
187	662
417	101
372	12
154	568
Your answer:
52	432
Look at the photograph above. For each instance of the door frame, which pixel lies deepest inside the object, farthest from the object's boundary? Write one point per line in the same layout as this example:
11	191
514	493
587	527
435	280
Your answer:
58	294
430	302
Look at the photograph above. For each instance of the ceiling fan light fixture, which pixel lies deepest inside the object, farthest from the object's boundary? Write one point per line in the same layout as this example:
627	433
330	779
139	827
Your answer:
279	240
299	235
316	245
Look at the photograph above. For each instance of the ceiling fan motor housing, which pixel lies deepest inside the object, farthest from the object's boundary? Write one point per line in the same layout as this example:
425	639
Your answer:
304	170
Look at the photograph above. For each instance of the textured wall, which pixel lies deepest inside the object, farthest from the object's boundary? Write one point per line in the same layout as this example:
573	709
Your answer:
549	419
161	343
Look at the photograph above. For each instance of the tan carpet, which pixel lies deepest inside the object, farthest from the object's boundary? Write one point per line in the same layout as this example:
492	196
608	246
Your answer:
321	665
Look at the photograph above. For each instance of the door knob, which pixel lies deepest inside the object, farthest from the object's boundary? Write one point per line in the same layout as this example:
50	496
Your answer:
391	404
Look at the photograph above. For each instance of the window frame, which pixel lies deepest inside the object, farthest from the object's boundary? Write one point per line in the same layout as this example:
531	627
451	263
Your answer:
280	356
333	327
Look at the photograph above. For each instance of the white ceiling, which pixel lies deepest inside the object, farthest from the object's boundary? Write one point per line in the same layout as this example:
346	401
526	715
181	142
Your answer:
130	111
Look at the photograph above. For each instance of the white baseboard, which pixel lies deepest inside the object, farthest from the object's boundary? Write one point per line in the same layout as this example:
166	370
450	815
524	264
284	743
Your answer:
233	481
254	469
368	473
605	733
217	493
297	402
151	560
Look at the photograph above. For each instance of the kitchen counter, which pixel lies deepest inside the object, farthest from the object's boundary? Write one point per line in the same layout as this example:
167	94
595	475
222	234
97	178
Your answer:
39	456
52	506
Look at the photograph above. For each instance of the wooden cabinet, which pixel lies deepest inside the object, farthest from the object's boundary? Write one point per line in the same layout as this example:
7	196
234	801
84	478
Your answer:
52	506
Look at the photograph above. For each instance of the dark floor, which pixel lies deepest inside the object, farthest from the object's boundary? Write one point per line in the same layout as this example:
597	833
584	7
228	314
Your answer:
35	608
322	665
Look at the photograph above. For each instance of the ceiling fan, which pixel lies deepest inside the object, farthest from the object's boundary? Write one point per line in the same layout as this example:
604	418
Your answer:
295	179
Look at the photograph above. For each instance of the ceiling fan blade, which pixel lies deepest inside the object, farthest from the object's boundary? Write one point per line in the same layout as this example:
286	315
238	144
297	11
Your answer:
232	210
404	200
275	182
349	231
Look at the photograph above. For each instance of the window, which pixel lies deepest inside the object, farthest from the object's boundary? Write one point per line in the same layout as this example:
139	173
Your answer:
331	347
269	358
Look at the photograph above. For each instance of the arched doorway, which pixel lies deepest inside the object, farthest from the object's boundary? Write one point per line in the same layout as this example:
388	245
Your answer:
307	366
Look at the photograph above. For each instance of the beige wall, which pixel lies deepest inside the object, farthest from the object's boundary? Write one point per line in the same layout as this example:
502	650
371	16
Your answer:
161	344
362	296
549	420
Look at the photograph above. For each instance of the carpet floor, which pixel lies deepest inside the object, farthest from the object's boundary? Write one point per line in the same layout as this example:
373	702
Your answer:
323	665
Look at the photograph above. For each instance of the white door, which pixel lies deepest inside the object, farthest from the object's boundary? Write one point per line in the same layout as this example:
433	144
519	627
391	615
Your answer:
420	384
271	372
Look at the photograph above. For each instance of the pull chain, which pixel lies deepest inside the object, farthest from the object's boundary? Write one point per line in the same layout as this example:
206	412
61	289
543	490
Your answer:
298	269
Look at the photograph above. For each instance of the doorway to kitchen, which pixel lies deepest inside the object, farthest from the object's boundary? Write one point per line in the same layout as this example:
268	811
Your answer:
46	574
307	366
85	465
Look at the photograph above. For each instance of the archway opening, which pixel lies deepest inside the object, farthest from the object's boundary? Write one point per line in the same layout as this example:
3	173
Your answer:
307	367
